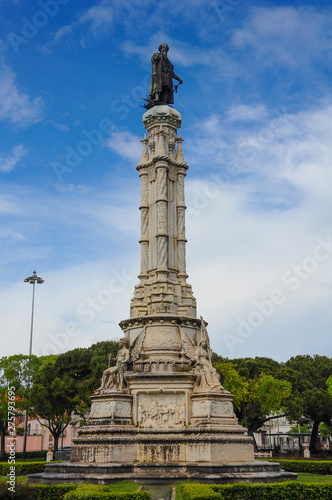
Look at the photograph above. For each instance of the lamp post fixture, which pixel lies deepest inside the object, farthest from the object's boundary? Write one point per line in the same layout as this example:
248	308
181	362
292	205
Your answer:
32	280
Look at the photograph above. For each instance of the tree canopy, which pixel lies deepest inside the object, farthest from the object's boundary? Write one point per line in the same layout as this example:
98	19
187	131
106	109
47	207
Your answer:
259	396
15	374
311	400
63	386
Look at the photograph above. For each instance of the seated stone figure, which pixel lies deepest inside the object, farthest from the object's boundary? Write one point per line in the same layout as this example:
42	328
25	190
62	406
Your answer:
113	377
207	376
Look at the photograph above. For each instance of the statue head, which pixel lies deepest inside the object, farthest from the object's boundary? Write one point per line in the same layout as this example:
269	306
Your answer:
123	342
163	48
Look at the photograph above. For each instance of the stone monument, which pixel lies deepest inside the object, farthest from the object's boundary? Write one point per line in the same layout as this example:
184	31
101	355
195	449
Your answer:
161	414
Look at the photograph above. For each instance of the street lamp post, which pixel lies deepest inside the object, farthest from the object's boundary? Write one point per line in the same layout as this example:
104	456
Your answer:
32	280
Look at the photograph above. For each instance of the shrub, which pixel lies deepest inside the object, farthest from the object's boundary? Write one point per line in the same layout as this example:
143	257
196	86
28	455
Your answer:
31	454
311	466
23	468
259	491
196	491
35	491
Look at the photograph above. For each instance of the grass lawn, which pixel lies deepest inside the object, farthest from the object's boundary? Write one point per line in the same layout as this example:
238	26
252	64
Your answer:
19	479
314	478
125	486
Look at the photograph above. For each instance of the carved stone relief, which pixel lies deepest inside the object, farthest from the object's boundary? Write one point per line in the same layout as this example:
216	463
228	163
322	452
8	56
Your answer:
212	408
162	338
110	409
161	410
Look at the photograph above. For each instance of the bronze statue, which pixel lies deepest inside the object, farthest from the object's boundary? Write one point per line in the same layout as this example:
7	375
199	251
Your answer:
161	86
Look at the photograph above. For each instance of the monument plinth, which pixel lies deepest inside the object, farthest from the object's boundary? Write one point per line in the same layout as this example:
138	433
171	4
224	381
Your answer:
161	413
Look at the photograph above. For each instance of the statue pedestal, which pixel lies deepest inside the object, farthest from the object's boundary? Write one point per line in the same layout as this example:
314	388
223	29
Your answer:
110	408
213	409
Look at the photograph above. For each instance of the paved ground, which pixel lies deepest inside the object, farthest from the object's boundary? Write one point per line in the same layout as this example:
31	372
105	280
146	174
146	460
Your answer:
159	492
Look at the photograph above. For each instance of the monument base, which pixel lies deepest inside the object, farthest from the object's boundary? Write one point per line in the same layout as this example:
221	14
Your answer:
162	473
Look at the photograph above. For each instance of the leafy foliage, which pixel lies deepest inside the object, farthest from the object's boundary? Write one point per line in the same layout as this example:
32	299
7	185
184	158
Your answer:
35	492
259	396
265	491
22	468
310	466
63	385
15	374
311	399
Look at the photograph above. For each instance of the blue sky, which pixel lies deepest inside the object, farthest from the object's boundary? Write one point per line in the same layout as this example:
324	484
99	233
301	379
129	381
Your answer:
256	108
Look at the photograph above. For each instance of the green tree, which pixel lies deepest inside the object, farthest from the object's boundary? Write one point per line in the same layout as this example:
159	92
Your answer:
324	431
304	428
259	396
85	367
15	373
310	399
329	385
63	386
53	400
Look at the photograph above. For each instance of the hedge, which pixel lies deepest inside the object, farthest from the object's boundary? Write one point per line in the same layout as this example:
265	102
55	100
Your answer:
311	466
35	491
67	492
259	491
28	454
31	454
22	468
95	492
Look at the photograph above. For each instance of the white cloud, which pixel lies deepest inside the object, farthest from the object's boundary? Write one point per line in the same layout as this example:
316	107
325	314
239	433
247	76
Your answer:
15	105
75	307
246	231
9	161
99	17
244	112
98	20
285	35
126	145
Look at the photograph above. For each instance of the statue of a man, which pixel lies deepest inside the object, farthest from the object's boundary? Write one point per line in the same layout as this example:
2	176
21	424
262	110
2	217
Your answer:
161	86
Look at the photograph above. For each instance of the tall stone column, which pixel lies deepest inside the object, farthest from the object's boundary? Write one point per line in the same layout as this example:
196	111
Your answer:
144	240
162	169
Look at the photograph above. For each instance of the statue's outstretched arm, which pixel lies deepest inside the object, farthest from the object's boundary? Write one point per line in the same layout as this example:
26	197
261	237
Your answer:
176	77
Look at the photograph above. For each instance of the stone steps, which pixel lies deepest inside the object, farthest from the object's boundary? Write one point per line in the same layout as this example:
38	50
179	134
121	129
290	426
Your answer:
161	473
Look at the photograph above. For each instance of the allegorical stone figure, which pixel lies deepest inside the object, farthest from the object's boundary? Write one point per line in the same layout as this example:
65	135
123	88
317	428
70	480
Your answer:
161	86
113	377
